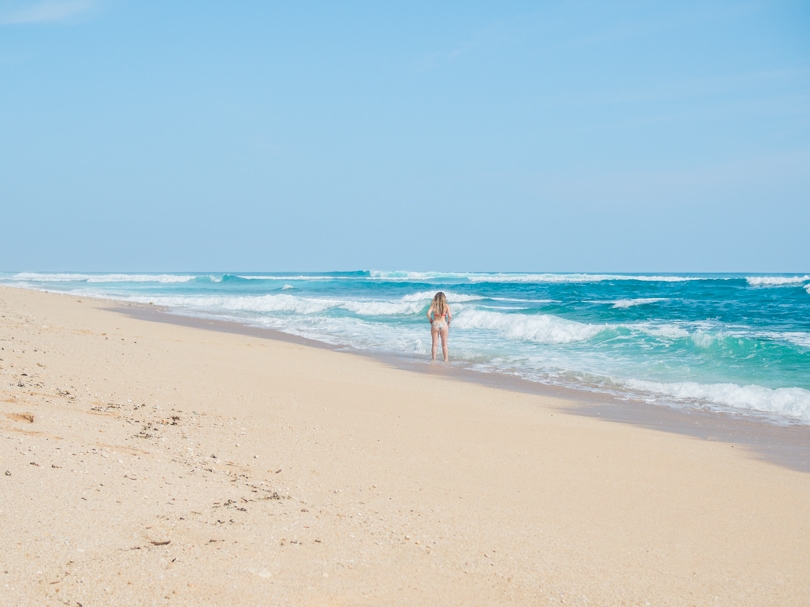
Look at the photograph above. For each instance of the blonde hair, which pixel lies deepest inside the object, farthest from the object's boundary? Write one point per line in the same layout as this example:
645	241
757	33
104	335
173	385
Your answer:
439	304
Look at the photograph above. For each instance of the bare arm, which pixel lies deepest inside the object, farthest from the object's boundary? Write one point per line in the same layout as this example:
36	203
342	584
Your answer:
430	309
449	316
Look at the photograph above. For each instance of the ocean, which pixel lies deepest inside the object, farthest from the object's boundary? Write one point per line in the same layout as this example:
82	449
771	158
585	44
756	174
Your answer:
732	343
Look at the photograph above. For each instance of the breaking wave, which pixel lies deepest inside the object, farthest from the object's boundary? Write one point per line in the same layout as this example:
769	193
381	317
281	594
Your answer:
289	303
775	281
482	277
451	297
287	277
640	301
790	402
541	328
101	278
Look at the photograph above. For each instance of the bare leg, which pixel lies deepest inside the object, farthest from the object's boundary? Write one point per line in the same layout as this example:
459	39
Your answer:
434	334
444	333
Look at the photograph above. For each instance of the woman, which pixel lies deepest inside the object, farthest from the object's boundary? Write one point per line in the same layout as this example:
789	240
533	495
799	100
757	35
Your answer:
439	316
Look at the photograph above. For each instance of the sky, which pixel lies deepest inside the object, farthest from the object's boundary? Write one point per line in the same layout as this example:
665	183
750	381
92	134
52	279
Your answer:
448	136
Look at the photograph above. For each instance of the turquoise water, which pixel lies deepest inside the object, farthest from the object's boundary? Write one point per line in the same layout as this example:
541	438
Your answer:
735	343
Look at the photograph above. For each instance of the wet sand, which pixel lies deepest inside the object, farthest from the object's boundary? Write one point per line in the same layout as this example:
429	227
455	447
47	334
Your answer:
148	462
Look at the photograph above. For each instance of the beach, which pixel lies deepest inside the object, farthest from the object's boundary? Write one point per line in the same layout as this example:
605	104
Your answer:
155	463
729	343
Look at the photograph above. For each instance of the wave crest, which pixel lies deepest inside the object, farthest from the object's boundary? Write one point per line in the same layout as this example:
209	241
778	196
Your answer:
775	281
791	402
100	278
630	303
541	328
285	277
289	303
451	297
547	277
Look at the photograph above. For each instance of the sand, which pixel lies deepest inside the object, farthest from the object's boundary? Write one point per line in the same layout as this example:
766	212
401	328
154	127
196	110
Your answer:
146	463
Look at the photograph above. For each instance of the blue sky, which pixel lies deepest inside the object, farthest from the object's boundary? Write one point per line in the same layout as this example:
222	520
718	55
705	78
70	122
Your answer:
510	136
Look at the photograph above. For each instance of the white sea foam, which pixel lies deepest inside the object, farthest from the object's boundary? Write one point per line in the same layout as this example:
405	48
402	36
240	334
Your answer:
790	402
702	339
797	338
520	300
287	287
807	288
382	308
542	328
479	277
287	303
260	303
473	277
353	332
287	277
777	281
406	305
451	297
576	278
501	307
705	334
629	303
669	331
414	276
100	278
460	297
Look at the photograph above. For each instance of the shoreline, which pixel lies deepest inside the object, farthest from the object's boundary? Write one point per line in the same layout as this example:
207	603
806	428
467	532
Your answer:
150	462
783	444
735	397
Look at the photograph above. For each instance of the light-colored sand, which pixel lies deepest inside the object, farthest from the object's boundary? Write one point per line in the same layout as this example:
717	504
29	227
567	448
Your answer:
172	465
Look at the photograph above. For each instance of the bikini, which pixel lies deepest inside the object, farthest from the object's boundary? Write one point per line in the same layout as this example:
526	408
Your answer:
439	324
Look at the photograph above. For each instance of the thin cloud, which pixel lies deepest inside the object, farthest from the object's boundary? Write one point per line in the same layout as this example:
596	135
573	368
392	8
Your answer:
44	12
439	59
435	60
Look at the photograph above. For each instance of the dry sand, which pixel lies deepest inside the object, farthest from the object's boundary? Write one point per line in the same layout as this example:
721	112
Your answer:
144	463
